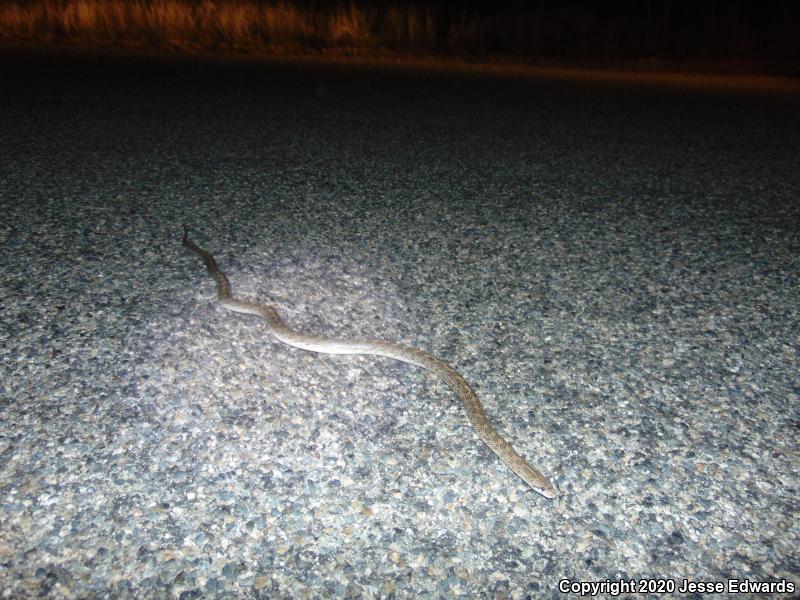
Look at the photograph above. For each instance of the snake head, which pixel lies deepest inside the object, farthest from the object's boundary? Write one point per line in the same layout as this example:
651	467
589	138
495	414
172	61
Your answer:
549	491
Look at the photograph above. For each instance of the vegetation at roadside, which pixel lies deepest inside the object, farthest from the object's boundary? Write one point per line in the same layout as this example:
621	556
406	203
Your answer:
645	30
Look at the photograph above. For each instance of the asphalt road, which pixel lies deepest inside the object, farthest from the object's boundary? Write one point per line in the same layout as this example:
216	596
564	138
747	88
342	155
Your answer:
611	261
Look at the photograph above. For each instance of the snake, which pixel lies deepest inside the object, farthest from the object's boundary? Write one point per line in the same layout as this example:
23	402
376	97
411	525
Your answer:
407	354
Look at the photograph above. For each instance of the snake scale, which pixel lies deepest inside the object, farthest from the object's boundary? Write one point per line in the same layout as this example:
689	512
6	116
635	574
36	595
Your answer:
407	354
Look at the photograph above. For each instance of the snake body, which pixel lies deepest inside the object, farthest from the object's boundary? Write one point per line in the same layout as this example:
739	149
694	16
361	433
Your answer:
407	354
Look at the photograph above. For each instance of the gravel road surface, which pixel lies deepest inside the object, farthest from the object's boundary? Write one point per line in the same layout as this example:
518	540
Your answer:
612	263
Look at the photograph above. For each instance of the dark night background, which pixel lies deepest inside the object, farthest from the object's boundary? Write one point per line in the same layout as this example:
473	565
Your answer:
636	28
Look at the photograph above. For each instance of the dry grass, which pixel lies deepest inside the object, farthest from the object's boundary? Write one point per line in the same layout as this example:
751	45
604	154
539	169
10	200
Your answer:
239	25
375	30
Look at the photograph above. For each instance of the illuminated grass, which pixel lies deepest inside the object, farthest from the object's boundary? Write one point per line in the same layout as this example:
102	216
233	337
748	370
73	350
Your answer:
238	25
380	29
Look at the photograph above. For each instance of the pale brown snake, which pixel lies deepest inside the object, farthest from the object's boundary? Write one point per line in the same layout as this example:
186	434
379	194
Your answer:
406	354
